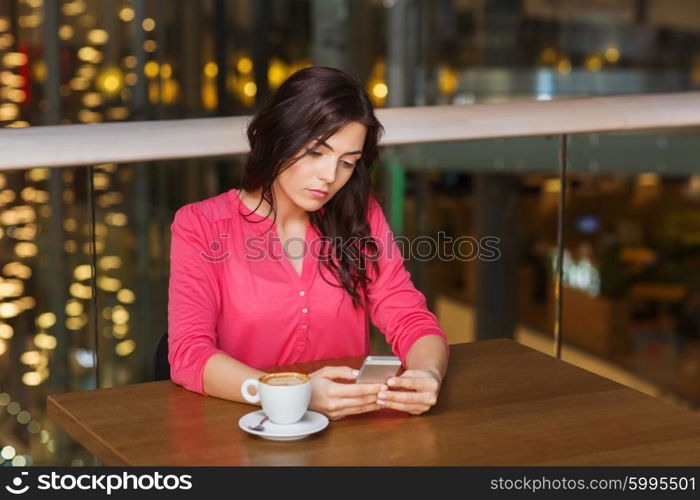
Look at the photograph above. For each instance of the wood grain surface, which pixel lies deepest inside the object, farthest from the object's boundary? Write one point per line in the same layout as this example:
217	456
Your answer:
501	404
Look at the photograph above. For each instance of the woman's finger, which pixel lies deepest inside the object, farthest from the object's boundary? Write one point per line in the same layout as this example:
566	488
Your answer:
413	383
342	403
356	410
408	397
415	409
355	390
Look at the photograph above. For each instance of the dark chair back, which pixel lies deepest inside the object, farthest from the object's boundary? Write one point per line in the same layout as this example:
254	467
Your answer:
161	365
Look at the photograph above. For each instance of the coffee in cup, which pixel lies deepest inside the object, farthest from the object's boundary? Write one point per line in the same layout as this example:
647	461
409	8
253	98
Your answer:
285	380
284	397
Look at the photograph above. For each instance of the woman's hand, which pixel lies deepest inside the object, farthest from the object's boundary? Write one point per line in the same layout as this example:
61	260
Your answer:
337	400
420	392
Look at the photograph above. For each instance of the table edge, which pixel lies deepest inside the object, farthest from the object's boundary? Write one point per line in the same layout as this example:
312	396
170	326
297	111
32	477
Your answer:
88	439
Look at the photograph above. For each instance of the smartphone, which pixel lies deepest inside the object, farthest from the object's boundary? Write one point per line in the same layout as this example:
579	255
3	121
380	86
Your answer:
377	369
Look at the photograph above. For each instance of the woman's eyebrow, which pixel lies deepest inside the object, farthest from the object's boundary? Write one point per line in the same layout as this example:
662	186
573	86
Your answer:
348	153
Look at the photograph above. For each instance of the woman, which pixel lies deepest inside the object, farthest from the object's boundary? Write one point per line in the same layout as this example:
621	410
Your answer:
288	268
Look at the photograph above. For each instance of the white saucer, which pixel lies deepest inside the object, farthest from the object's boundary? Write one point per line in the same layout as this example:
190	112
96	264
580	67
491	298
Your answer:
311	422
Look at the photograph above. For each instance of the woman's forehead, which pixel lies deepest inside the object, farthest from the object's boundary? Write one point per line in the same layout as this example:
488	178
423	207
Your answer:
349	138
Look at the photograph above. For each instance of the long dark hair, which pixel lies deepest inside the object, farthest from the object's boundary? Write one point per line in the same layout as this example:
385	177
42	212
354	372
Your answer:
313	104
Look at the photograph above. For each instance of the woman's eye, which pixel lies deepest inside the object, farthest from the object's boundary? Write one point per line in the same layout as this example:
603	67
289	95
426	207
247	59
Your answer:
349	165
315	153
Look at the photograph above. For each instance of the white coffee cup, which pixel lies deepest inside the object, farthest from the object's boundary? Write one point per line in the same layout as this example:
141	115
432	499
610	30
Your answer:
284	397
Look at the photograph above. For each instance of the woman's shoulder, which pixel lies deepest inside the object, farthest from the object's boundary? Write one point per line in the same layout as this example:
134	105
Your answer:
209	210
373	208
375	215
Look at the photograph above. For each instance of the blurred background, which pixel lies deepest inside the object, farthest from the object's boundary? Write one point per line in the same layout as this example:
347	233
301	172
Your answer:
632	228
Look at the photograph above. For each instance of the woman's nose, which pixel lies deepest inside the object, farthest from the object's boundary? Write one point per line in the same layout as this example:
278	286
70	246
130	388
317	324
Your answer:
327	173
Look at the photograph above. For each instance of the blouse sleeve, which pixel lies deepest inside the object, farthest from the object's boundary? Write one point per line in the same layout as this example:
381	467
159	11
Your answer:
396	307
193	299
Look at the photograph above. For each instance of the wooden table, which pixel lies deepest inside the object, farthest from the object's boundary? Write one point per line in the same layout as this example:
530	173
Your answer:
501	404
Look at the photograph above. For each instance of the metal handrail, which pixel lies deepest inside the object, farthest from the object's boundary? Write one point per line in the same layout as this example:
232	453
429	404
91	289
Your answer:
123	142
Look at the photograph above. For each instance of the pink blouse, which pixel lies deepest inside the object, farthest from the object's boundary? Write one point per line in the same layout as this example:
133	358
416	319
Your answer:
233	290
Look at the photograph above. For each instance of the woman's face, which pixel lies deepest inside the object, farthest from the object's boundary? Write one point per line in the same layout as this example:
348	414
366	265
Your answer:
327	167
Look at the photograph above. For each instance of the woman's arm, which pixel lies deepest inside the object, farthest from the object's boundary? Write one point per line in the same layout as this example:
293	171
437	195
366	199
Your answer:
194	298
396	307
426	363
223	377
428	353
400	311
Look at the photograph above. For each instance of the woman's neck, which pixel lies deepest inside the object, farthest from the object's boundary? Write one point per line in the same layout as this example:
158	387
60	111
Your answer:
287	214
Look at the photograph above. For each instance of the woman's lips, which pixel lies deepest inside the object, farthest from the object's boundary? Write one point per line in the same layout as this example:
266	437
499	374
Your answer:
318	194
